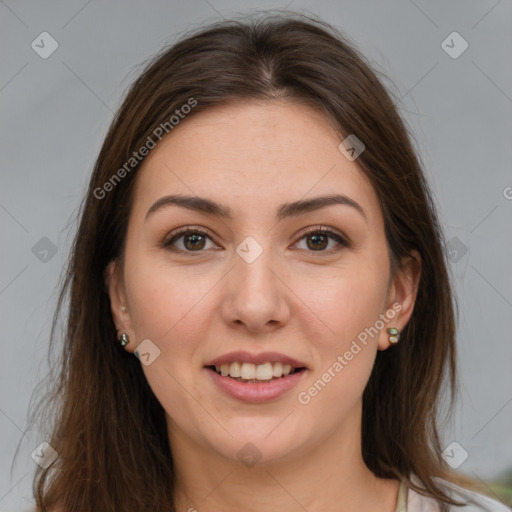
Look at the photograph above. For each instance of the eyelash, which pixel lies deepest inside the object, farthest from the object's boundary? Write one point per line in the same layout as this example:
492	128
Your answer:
187	230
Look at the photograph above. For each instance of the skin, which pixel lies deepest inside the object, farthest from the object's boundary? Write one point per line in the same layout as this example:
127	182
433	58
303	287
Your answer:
292	299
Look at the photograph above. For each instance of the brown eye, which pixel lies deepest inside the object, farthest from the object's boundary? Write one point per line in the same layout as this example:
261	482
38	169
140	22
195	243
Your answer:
196	241
317	240
190	240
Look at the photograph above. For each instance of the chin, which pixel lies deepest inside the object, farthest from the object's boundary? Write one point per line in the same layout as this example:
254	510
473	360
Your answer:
251	449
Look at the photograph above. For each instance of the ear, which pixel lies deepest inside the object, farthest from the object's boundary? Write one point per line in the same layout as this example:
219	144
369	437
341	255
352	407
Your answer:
114	286
401	298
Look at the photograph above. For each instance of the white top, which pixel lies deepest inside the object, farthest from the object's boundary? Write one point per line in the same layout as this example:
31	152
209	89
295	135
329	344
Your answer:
411	501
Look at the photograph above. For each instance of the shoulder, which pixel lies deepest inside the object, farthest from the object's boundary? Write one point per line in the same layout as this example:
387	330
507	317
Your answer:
475	502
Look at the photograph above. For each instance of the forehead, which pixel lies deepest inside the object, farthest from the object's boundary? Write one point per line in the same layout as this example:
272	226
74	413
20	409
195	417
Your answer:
251	156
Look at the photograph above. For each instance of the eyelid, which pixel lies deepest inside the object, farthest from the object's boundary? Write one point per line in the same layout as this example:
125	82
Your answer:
186	229
343	239
340	238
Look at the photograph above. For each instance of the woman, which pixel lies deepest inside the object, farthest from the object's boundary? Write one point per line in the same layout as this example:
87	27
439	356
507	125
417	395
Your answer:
260	314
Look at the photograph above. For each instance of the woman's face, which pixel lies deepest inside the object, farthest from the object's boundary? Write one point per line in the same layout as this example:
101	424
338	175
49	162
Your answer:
257	281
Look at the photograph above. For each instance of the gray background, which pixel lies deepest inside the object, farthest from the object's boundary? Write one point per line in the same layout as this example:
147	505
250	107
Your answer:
55	112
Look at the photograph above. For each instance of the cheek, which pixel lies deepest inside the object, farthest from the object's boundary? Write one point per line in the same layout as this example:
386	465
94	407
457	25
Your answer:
345	301
350	305
164	298
170	307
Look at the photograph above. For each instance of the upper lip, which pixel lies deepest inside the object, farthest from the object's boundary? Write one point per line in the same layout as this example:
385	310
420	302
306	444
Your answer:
260	358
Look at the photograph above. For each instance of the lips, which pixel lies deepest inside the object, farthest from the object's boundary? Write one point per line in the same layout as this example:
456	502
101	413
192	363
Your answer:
256	392
246	376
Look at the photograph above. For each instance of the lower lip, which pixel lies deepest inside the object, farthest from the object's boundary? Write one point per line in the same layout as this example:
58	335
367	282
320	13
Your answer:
256	392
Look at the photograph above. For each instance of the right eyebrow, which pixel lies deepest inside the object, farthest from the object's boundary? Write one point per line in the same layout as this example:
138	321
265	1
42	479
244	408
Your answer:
293	209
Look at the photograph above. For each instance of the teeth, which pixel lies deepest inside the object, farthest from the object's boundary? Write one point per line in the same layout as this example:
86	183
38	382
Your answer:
249	371
264	371
278	370
234	369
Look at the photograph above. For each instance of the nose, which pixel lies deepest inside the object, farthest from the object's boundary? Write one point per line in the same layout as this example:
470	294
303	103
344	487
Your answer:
255	295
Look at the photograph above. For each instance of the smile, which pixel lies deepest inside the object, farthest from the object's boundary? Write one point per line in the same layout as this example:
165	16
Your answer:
248	372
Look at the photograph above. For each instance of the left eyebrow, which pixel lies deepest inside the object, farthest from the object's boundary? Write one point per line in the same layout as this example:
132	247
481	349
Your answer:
294	209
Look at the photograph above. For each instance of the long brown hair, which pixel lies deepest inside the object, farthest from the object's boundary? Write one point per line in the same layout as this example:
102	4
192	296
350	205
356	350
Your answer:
108	428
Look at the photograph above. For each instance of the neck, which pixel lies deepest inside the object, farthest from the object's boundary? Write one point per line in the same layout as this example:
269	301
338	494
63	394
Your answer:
332	472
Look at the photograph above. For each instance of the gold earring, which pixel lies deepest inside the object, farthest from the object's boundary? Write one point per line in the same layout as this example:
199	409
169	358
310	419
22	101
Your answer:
124	308
394	335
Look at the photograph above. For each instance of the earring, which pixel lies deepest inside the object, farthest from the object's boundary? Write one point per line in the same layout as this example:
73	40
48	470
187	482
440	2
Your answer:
124	308
124	340
394	335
